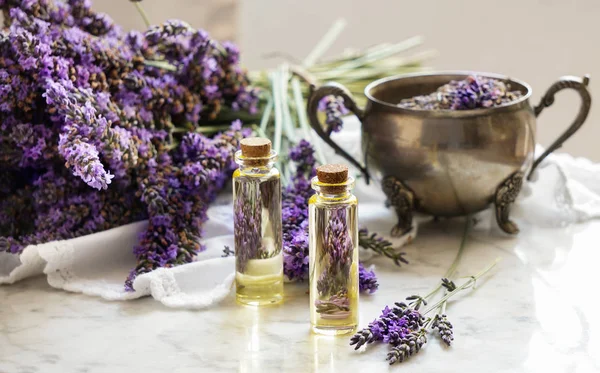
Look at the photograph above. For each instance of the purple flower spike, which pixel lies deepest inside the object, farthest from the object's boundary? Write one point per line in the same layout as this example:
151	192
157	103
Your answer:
367	280
334	109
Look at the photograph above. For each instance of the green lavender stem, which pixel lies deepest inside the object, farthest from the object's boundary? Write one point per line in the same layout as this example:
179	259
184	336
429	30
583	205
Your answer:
160	64
259	131
381	54
382	247
274	76
465	285
264	120
325	43
142	13
442	309
288	124
459	255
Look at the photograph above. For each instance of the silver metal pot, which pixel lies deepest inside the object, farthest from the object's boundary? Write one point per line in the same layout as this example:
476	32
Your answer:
447	163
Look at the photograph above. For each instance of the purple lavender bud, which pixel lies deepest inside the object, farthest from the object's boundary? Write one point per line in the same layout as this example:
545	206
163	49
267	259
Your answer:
334	109
295	259
394	326
367	280
444	327
170	28
303	155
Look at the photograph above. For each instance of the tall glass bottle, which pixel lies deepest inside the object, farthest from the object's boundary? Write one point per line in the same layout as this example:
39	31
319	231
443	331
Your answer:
333	245
257	224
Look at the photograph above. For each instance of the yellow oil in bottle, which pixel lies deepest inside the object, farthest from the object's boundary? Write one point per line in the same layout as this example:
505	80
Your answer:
258	237
333	266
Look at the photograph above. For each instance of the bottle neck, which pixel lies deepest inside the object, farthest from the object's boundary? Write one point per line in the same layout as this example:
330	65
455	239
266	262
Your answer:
333	192
255	166
333	197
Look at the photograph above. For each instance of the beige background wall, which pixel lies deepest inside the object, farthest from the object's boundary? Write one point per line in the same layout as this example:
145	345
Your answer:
534	40
217	16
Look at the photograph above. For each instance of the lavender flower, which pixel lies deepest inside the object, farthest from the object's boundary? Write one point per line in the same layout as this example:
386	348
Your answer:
392	327
336	307
444	327
247	222
449	285
295	258
303	155
337	250
367	280
334	109
97	24
407	347
85	161
474	92
380	245
169	29
85	133
227	252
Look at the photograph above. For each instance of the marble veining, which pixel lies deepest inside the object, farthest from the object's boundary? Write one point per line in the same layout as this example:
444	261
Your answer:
536	312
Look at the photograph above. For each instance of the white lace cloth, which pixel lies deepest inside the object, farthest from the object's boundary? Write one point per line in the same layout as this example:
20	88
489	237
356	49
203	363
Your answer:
567	190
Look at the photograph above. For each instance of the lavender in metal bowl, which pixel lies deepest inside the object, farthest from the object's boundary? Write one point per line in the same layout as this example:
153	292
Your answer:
474	92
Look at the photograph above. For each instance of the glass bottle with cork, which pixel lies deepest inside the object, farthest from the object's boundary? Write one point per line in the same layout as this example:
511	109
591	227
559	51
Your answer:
257	224
333	246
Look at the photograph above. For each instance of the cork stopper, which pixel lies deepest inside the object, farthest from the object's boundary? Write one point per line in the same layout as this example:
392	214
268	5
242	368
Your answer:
256	147
333	174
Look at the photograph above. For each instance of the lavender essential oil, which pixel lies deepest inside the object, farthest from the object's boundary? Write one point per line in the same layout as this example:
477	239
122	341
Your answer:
257	224
333	246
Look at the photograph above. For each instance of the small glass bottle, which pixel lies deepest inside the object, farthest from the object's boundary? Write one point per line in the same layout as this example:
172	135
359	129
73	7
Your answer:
333	245
257	224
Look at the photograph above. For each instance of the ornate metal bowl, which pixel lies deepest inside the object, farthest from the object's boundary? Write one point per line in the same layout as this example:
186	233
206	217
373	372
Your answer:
447	163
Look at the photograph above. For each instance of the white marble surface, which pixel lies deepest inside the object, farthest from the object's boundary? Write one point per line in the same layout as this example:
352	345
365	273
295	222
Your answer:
536	312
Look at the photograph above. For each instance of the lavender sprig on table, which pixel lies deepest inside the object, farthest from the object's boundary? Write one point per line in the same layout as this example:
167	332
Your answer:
227	251
404	327
372	241
393	325
407	346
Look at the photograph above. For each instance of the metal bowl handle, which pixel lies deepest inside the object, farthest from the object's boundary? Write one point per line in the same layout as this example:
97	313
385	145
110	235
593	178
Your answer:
315	96
578	84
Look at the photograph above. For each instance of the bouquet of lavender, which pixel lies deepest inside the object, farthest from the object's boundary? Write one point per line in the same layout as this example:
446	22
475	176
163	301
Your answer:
100	128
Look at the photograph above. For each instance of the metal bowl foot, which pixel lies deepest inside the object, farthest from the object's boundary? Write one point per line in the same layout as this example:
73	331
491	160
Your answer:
402	199
506	194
